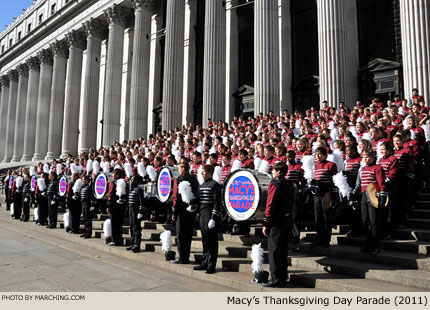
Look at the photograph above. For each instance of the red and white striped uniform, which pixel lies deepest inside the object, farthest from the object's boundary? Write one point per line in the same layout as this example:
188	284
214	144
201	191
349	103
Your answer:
371	174
225	172
390	165
324	173
295	174
194	169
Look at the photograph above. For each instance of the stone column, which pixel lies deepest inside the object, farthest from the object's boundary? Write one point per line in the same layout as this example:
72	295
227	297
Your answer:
285	55
76	40
3	111
127	65
189	62
96	30
140	71
21	107
30	113
117	17
232	62
173	65
101	92
214	62
266	57
11	115
43	105
56	112
415	29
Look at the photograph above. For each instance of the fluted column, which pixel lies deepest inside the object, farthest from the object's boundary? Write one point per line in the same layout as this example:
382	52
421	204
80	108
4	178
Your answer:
76	42
266	57
232	62
415	29
56	112
173	65
117	17
30	113
285	55
214	62
127	65
5	83
96	31
43	105
21	107
11	115
140	71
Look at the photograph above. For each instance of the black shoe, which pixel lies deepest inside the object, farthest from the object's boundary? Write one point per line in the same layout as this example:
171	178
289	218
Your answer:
129	248
87	237
200	267
210	270
82	236
375	252
180	261
276	283
352	233
237	233
316	243
136	249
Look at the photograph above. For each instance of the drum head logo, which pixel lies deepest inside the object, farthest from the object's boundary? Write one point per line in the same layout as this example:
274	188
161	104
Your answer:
241	195
164	185
11	182
62	187
33	183
100	186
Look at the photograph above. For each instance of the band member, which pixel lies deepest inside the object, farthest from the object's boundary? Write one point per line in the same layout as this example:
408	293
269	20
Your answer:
372	217
86	200
210	216
117	201
41	199
26	199
278	223
7	189
135	212
52	192
183	212
73	203
16	194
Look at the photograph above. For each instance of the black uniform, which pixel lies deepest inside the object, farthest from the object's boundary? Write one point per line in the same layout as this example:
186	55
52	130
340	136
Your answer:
42	204
117	207
281	198
17	201
184	218
75	207
135	206
26	200
7	192
52	193
86	198
210	208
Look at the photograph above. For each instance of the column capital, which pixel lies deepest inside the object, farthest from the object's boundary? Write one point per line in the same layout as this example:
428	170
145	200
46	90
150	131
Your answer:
22	69
117	14
59	48
33	63
4	81
46	57
76	39
96	28
13	75
149	4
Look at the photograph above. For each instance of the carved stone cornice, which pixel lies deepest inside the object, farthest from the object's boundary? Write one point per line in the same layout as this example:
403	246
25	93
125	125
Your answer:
76	39
33	63
4	81
118	14
13	75
96	28
22	70
60	48
152	5
46	57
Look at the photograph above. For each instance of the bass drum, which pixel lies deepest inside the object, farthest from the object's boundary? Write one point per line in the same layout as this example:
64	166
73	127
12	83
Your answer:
165	183
62	186
245	194
100	186
33	183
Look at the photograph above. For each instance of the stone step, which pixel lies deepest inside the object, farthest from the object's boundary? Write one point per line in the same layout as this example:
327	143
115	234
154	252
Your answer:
422	204
244	252
425	190
423	196
411	233
418	223
421	213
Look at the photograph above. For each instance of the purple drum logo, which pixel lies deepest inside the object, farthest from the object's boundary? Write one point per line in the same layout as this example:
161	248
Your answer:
33	183
101	185
62	188
11	182
164	184
241	194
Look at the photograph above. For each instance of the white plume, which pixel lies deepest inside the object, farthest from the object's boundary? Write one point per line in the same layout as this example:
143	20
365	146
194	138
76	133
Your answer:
66	220
341	182
308	167
41	184
366	136
12	209
257	258
212	150
107	228
151	172
264	166
46	168
89	166
378	152
74	169
96	167
200	175
217	174
120	187
59	169
426	129
257	162
36	214
336	157
413	135
77	187
334	134
236	165
141	169
117	166
19	181
128	170
184	188
106	167
200	149
32	171
177	154
314	147
353	130
166	240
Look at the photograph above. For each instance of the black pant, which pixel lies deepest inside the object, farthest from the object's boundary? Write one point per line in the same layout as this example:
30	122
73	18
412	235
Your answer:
278	247
184	233
117	219
135	225
372	222
43	210
88	218
17	206
75	214
26	208
209	239
323	224
7	195
52	212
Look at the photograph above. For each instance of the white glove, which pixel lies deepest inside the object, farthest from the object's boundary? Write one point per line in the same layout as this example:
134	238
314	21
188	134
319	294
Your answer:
91	208
211	224
25	199
53	202
139	216
192	208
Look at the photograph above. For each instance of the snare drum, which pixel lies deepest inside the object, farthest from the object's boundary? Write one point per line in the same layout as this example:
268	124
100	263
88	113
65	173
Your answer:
245	194
100	186
62	186
33	183
165	183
